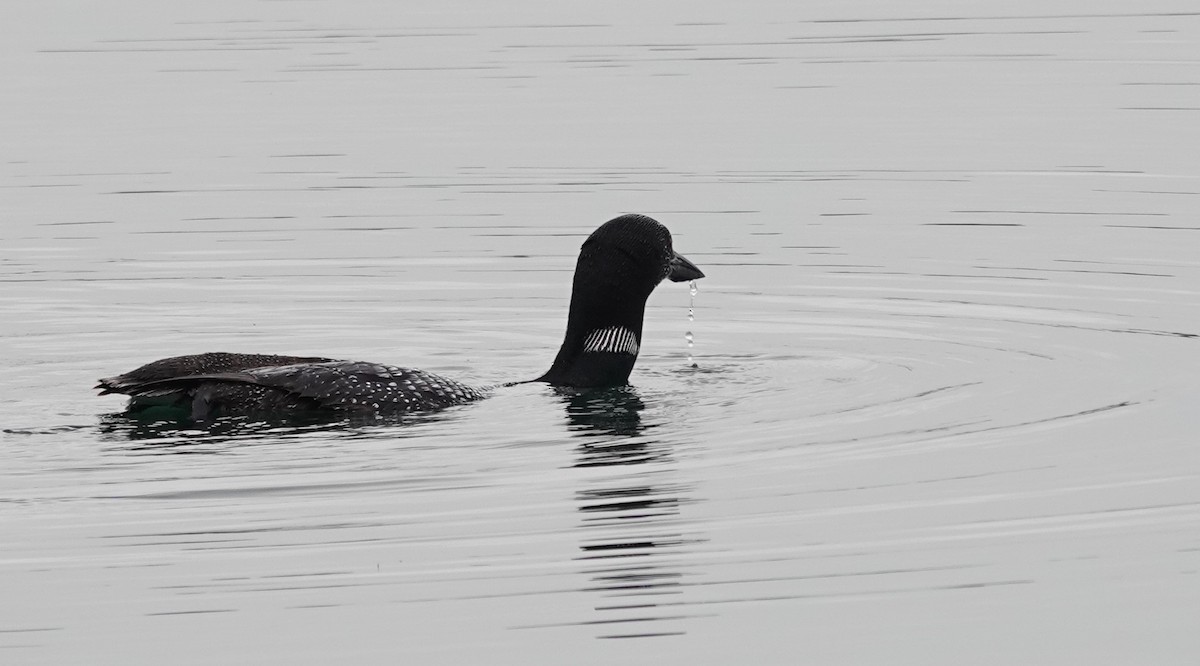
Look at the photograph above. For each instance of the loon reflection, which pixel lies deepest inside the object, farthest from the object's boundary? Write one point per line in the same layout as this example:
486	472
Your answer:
631	518
609	422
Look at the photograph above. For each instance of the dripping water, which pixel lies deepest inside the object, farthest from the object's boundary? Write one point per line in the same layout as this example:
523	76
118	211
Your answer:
691	339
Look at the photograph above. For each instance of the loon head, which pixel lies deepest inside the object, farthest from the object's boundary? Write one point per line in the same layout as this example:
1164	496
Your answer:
619	265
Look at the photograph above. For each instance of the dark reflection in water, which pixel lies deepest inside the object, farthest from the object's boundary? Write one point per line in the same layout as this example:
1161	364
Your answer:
631	528
609	420
177	435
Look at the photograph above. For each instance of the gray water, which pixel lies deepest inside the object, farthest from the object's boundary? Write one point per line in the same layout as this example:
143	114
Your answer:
944	408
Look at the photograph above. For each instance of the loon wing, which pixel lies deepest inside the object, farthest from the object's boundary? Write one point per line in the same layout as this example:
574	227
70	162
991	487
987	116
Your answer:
181	367
340	385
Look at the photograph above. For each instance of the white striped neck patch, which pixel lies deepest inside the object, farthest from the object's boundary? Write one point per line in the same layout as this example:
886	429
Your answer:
614	339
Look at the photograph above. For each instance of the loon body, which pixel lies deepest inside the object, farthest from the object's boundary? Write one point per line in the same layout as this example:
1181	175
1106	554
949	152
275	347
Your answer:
619	265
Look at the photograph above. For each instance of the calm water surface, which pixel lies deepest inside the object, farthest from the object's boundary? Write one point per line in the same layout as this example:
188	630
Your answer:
944	408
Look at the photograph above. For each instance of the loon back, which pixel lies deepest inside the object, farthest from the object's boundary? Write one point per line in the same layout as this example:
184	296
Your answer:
619	265
343	386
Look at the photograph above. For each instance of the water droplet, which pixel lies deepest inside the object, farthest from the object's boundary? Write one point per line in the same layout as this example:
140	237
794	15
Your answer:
692	289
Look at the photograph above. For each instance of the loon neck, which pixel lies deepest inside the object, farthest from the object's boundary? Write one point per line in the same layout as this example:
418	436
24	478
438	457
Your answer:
604	336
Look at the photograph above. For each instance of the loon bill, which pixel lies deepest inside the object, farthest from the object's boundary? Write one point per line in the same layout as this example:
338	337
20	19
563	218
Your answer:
619	265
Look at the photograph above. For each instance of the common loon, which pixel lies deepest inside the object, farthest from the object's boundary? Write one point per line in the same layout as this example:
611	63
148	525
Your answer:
619	265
